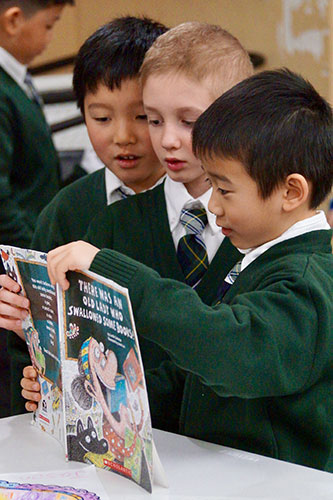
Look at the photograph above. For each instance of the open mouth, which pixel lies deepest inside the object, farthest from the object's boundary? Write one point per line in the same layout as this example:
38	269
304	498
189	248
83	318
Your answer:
127	160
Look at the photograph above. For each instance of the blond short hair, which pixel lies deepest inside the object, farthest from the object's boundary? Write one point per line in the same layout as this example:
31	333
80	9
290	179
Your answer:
199	51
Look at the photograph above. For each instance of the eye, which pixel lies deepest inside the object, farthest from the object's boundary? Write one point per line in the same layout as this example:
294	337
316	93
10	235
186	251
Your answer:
209	182
87	439
154	123
93	434
188	123
97	352
142	117
223	191
102	119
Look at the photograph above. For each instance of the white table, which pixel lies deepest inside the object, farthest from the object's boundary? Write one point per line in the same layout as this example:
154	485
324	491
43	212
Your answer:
195	469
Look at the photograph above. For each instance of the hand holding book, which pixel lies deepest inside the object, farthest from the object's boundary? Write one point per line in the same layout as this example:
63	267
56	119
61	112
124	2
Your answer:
77	255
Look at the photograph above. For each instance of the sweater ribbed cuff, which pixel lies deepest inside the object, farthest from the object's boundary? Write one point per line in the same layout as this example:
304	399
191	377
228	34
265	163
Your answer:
115	266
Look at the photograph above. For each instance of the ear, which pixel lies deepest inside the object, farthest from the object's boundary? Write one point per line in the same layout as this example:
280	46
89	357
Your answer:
296	192
12	20
79	427
89	389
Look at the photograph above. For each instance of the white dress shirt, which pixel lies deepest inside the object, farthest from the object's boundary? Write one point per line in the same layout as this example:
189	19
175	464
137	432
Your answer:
177	198
14	68
314	223
112	184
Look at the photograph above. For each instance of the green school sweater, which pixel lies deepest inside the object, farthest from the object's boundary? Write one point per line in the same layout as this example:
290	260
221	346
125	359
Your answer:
255	372
29	167
68	215
65	219
137	226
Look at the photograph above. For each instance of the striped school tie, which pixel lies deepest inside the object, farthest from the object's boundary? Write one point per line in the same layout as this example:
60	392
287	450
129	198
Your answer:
191	251
32	89
229	280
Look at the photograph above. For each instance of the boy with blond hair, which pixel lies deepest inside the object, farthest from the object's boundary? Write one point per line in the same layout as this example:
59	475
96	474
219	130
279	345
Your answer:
150	227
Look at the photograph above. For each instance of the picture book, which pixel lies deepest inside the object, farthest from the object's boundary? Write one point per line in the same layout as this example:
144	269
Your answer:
84	346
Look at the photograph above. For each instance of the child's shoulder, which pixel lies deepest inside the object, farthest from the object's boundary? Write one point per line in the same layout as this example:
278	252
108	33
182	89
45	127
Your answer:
85	192
145	202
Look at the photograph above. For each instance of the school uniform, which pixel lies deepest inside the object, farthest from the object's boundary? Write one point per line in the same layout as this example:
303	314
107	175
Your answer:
65	219
29	165
254	372
152	240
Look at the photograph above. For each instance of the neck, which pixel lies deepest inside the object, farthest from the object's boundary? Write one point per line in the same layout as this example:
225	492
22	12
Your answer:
197	187
148	183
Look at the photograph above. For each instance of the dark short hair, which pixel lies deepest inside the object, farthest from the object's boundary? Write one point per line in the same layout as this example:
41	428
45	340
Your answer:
113	53
31	6
275	123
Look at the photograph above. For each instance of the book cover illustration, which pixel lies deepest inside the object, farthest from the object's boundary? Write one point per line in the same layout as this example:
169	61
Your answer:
17	491
84	346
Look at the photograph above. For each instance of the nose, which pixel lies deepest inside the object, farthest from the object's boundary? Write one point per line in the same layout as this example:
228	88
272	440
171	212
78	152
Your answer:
124	132
214	204
170	139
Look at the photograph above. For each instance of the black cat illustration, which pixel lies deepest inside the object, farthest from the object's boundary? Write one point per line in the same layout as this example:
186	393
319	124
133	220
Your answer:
85	441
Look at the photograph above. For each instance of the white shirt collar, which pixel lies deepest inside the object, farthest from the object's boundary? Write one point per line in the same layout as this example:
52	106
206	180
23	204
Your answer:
177	197
112	183
13	67
314	223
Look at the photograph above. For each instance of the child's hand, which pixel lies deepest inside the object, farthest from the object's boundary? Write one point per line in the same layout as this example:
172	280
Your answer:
13	307
30	388
74	256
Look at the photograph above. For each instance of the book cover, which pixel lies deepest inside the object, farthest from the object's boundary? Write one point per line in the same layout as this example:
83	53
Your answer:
84	346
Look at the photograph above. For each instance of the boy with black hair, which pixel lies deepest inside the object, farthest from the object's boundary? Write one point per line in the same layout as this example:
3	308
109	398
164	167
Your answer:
29	165
108	91
255	370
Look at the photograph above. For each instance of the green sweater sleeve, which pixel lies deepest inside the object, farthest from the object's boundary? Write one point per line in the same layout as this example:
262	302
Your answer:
14	226
245	349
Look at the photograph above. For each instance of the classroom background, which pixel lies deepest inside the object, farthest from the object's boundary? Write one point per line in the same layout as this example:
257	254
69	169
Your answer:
297	34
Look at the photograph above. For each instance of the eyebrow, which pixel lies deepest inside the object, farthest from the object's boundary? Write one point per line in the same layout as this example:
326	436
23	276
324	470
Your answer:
94	105
222	178
185	109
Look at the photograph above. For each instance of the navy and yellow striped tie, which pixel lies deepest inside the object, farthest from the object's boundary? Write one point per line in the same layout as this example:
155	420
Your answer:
229	280
191	251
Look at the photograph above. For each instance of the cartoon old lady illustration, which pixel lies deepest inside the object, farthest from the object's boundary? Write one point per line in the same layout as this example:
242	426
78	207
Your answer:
99	379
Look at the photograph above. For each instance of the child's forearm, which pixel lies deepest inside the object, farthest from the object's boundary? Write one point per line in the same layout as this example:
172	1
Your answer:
237	349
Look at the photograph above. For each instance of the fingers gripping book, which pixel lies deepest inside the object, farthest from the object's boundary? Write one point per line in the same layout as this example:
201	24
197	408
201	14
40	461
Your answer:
84	346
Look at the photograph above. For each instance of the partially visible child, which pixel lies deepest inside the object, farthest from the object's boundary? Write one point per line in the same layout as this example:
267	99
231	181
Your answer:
29	165
108	91
258	365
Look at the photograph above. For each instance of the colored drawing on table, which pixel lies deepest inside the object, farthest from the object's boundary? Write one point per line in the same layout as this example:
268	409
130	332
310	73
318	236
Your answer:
18	491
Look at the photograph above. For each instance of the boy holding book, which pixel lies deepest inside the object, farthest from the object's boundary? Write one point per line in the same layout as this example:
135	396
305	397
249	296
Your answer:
255	370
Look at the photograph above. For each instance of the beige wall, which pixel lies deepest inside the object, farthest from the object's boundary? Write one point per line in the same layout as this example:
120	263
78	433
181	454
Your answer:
293	33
